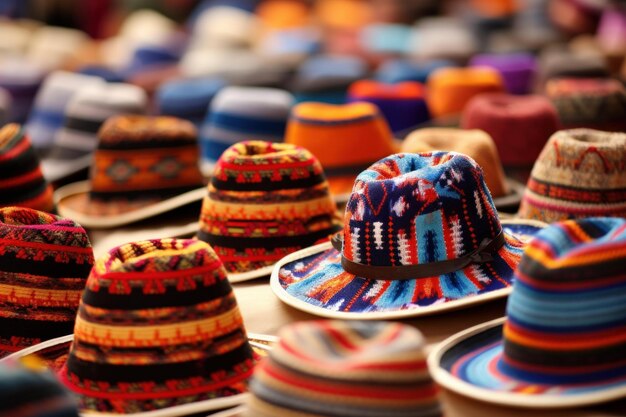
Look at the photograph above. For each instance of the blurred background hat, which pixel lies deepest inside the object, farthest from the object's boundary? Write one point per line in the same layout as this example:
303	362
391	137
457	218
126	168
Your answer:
21	79
51	47
401	70
518	70
443	38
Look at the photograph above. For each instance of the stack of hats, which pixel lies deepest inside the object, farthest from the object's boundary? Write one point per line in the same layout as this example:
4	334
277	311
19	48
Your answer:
242	113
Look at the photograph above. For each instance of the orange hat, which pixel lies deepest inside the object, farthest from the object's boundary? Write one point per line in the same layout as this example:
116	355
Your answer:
283	14
449	89
346	14
345	138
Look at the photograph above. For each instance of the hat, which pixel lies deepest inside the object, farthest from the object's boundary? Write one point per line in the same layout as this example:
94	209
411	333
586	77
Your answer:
345	138
22	182
611	33
558	63
85	113
519	125
443	38
143	166
478	145
450	89
387	38
403	104
589	102
45	262
517	69
225	27
21	79
326	78
52	46
323	368
579	173
283	14
158	328
421	235
188	99
562	342
26	391
147	57
400	70
243	113
265	200
110	75
46	116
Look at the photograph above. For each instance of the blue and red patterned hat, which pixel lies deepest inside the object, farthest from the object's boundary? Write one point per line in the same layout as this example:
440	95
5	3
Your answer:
421	234
562	343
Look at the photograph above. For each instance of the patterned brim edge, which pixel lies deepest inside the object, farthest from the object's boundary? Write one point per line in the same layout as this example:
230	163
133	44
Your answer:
100	222
525	400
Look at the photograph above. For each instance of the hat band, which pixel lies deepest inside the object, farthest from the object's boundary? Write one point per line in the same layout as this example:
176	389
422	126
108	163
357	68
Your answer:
484	253
83	125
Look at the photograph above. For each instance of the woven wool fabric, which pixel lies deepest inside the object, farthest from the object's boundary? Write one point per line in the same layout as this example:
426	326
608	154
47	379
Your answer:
403	104
564	332
589	102
22	182
28	392
158	326
517	69
519	125
408	209
579	173
45	263
352	369
265	201
345	138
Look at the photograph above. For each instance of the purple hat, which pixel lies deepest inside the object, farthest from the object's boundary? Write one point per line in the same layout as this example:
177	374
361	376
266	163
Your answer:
517	69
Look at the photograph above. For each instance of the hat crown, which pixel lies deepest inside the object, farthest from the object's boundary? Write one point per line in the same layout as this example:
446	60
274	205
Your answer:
565	316
411	209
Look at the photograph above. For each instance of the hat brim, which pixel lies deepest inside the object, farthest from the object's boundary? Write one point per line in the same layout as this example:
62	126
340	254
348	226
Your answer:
73	201
57	169
53	353
312	280
468	364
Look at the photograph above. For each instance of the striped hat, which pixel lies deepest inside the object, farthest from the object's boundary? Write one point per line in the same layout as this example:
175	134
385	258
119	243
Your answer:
158	328
26	391
143	166
45	262
338	368
421	235
562	342
403	104
400	70
21	79
265	200
517	69
85	113
519	125
345	138
47	114
596	103
237	114
188	99
580	173
21	183
450	89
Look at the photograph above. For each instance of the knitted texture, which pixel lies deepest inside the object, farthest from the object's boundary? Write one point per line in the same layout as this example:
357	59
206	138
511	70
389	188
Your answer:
158	326
519	125
45	262
265	201
21	183
363	369
564	328
589	102
409	209
580	173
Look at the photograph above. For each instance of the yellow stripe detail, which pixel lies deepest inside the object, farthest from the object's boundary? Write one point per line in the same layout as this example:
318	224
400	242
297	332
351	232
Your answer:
286	211
34	297
546	260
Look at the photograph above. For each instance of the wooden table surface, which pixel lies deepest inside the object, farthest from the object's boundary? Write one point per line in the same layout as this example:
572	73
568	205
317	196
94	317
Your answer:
265	313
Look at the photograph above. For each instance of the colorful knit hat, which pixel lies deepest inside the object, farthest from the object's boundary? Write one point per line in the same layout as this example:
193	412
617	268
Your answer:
22	182
47	114
265	200
339	368
237	114
478	145
29	392
188	99
579	173
143	166
421	235
158	328
45	262
595	103
403	105
562	342
517	69
450	89
401	70
519	125
89	108
21	79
